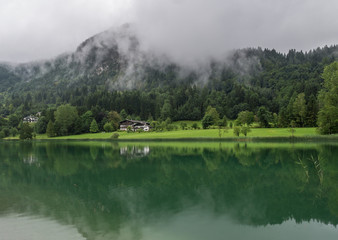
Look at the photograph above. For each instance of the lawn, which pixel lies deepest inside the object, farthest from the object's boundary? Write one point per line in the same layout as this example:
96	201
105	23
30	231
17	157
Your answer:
193	134
215	133
196	134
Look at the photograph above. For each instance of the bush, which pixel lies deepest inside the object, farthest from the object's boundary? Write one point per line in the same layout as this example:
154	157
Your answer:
170	127
115	136
183	125
129	129
237	131
245	130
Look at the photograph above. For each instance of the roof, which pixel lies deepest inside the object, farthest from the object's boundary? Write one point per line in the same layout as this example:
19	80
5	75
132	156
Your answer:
135	122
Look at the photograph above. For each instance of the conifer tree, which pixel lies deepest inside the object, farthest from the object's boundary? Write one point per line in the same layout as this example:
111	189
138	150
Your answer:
94	128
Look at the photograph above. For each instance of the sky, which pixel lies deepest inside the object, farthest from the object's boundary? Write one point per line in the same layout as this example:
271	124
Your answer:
181	29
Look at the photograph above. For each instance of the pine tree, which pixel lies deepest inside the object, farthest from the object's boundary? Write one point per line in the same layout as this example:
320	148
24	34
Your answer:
94	128
50	129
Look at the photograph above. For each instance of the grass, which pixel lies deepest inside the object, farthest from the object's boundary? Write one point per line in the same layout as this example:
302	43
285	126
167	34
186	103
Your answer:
195	134
215	133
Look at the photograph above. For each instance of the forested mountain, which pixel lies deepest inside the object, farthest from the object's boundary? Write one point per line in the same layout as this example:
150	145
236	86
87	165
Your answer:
112	72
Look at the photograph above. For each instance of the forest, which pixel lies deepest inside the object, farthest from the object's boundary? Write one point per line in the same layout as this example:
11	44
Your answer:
272	88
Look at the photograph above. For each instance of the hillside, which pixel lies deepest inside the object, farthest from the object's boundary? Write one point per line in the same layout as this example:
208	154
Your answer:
111	71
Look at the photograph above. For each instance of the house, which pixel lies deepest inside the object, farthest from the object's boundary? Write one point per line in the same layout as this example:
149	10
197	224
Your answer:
30	119
135	125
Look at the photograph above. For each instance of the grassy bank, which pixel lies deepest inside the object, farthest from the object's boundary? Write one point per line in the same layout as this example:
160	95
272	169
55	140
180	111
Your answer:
215	134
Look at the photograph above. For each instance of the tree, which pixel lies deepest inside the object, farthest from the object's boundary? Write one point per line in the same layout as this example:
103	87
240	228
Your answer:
292	129
224	122
245	117
299	109
245	129
26	132
14	120
166	110
41	125
328	101
207	121
114	118
311	112
14	132
65	118
264	117
108	127
123	114
94	128
213	113
50	131
237	131
86	120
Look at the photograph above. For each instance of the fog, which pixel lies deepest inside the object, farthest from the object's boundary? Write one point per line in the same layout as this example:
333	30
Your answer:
186	31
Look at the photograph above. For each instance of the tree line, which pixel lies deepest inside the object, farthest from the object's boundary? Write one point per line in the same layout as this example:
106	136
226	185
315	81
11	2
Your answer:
292	89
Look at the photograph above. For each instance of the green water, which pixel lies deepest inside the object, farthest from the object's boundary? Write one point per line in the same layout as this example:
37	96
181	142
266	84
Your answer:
177	190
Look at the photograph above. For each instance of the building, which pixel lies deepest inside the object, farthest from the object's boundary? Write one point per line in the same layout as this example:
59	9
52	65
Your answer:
30	119
135	125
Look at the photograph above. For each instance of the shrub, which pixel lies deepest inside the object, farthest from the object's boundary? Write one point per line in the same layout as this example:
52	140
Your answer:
129	129
245	130
115	136
237	131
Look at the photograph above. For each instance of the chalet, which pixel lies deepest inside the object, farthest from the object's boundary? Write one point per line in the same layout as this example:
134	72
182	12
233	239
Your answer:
135	125
30	119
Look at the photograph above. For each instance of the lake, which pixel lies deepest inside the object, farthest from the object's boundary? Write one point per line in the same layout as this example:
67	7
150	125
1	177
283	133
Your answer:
173	190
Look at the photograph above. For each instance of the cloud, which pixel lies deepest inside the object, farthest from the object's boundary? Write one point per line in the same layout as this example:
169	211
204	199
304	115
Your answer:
185	30
38	29
191	30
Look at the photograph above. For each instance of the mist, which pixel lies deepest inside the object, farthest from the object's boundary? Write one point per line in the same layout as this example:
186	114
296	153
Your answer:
189	32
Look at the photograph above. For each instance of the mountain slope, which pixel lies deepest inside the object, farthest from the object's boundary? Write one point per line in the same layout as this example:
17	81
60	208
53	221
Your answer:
111	71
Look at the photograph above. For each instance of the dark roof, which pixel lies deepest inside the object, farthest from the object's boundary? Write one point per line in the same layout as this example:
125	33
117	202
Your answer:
135	121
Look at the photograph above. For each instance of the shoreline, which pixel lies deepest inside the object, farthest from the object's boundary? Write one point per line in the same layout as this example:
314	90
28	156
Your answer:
310	139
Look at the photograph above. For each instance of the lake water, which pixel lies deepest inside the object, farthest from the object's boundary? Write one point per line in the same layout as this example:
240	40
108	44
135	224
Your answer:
175	190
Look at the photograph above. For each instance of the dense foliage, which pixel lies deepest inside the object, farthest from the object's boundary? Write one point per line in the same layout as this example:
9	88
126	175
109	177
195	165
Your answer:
277	88
328	98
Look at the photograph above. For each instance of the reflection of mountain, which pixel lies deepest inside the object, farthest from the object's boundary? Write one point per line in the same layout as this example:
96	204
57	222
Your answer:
101	190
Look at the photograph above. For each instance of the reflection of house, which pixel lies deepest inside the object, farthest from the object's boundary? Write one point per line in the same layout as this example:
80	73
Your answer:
135	151
30	119
135	125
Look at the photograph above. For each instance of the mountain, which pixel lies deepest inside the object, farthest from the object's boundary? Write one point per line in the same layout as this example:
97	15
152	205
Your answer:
112	71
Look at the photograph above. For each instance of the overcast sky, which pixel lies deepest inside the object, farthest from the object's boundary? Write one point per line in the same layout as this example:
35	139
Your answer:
194	29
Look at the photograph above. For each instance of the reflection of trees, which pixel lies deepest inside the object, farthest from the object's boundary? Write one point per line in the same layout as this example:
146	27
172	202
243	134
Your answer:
98	189
329	165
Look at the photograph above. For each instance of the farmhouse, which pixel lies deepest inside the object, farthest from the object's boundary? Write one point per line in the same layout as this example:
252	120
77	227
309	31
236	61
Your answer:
30	119
135	125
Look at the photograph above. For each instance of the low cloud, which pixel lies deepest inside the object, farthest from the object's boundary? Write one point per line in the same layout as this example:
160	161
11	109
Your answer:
186	31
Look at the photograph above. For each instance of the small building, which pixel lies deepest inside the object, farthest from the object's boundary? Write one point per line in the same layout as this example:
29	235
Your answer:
30	119
135	125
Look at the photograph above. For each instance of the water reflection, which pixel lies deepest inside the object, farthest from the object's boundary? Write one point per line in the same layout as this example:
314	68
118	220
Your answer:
144	190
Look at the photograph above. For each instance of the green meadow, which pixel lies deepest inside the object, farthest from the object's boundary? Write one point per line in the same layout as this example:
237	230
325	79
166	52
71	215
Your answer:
199	134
